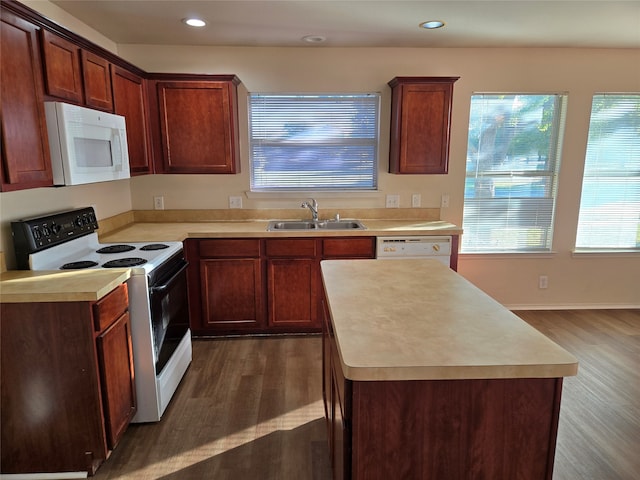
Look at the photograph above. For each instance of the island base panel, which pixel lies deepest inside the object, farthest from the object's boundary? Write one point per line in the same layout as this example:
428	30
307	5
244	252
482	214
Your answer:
455	429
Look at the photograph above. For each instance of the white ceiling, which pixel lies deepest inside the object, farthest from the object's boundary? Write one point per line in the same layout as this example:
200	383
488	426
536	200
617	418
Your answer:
359	23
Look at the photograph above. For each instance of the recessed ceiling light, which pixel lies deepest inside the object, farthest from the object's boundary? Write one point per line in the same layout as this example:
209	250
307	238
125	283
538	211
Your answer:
194	22
314	39
431	24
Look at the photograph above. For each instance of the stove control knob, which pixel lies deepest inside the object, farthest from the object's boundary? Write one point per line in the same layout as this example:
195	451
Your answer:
46	231
37	234
78	221
55	228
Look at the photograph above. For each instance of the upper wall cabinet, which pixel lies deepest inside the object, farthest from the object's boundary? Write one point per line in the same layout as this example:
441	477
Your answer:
130	101
25	147
420	124
199	125
74	74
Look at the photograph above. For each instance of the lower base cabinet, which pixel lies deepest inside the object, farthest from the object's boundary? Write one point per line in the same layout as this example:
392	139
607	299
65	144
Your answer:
438	429
262	285
67	383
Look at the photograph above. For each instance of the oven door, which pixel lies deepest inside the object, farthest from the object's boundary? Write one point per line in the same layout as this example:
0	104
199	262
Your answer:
169	309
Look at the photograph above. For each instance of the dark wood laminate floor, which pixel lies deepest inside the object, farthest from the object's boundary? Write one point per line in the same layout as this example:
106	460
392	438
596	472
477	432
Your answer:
251	408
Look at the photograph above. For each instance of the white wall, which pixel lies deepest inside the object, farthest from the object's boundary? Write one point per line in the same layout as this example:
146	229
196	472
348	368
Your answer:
585	281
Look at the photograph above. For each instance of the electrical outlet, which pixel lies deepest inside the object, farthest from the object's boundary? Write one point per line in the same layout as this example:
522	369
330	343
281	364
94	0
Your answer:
158	203
543	281
235	202
444	200
415	200
393	201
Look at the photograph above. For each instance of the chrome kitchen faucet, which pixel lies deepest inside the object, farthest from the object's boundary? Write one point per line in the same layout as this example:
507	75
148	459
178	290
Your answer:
313	206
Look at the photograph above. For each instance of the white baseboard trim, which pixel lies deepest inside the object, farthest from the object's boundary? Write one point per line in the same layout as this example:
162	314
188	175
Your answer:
580	306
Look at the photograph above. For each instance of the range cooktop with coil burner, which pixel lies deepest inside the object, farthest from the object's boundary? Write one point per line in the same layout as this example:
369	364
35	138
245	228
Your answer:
68	241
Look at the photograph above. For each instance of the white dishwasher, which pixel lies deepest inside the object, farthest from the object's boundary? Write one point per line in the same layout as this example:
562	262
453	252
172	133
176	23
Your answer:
407	247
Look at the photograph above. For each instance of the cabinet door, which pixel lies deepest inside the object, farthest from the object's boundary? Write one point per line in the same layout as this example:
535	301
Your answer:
63	77
129	100
25	146
115	358
420	124
97	81
231	292
198	122
292	285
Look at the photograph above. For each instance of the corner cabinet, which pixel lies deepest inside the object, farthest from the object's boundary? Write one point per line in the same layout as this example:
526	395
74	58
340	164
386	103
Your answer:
67	383
25	146
198	124
420	124
130	101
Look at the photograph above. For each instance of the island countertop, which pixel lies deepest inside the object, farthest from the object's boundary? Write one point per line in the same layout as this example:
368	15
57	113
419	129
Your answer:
419	320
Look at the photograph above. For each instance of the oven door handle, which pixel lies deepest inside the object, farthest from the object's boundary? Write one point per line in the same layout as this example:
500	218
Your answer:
167	284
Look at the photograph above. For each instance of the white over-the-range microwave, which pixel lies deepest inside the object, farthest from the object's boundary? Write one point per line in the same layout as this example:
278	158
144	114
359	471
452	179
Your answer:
86	145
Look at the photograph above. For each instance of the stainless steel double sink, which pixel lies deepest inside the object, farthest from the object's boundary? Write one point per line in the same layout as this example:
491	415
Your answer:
277	225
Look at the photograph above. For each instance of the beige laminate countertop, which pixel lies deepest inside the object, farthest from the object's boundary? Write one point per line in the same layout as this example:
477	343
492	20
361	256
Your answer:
419	320
179	231
17	286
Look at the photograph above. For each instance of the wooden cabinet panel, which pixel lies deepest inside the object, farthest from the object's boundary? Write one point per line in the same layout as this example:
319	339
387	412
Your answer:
231	293
353	247
110	307
292	247
292	286
198	123
115	357
420	124
68	393
97	81
63	77
130	101
229	248
25	146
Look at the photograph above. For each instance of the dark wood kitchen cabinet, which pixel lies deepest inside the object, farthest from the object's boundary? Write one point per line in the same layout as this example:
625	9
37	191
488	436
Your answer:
67	383
130	101
420	124
226	286
25	147
75	74
198	124
293	279
262	285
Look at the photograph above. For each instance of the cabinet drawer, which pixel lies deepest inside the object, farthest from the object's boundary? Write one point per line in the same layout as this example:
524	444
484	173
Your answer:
110	307
357	247
292	247
222	248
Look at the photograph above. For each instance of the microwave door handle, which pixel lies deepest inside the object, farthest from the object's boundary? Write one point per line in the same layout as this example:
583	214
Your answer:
167	284
118	144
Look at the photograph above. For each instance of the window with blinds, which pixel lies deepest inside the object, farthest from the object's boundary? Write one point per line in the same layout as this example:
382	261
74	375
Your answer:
513	157
313	142
610	203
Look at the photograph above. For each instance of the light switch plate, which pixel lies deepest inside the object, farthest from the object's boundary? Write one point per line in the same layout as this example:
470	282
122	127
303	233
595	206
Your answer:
415	200
235	202
393	201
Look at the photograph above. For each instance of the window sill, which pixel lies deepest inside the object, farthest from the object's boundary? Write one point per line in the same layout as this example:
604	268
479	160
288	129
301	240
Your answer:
506	255
604	253
333	194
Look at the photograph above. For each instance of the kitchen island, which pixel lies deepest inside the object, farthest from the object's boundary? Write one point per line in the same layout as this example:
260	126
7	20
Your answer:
427	377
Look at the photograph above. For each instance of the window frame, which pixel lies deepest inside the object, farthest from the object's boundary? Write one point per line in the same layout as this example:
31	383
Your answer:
614	174
531	204
372	144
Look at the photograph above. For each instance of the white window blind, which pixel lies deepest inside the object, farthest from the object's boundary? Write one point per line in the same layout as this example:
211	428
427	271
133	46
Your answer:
513	156
313	142
610	203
